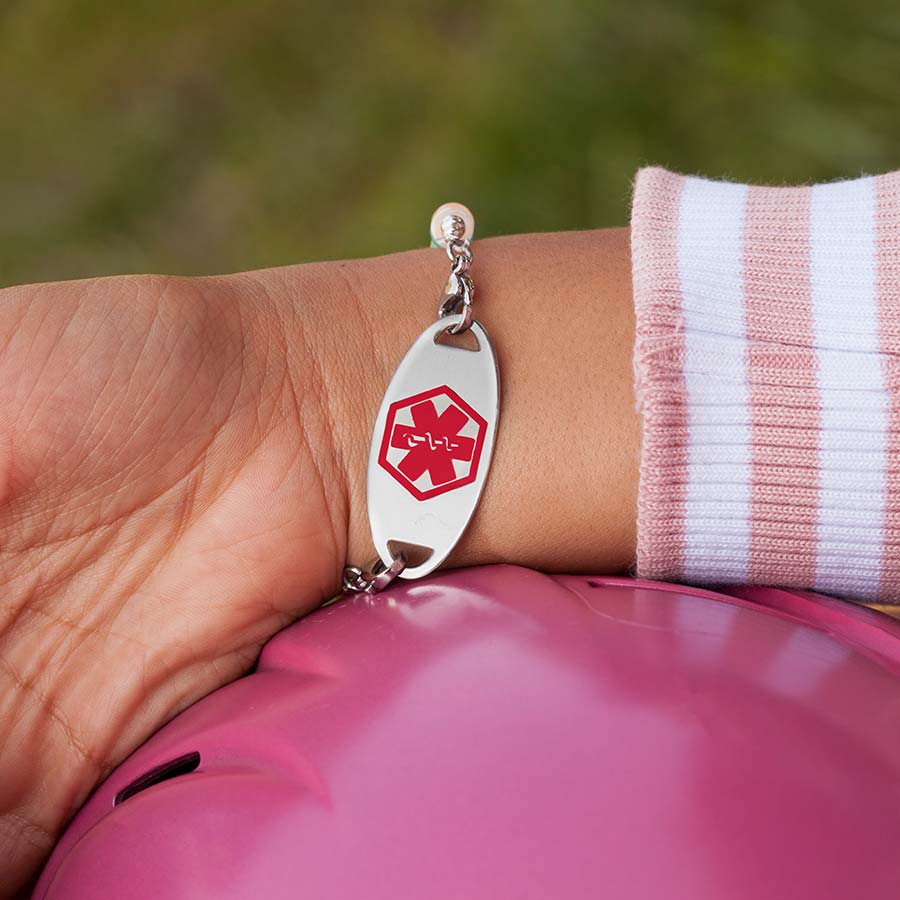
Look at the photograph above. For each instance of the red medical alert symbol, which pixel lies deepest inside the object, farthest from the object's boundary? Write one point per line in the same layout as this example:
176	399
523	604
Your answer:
432	442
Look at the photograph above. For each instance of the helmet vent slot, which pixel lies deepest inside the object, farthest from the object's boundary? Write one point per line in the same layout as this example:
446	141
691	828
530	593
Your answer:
181	765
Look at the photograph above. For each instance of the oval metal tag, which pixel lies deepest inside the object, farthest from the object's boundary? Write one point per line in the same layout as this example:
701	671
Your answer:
432	445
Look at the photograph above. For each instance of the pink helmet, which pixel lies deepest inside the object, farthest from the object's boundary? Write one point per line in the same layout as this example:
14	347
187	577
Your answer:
497	733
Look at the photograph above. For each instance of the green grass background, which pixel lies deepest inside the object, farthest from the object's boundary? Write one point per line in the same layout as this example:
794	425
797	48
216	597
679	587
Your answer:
221	135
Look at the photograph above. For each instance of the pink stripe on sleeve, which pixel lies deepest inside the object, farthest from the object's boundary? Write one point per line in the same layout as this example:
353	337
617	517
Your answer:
659	379
887	232
784	420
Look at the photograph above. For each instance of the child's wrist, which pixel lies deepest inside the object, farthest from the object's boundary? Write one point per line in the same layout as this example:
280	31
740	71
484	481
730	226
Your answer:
561	492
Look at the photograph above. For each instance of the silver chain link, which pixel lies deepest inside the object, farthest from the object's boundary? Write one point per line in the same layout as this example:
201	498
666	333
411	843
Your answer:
459	292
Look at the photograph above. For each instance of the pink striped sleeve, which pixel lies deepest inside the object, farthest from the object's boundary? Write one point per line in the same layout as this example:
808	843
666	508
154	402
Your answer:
766	362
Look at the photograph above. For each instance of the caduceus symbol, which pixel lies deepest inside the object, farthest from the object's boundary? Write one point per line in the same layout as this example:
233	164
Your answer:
433	442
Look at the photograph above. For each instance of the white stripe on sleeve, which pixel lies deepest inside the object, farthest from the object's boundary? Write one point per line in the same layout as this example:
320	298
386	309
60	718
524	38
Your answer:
708	244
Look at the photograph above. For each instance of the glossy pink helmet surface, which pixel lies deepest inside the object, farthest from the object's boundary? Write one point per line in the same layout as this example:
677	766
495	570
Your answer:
497	733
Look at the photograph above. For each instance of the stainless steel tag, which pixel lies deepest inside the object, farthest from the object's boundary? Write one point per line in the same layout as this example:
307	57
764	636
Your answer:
434	435
431	448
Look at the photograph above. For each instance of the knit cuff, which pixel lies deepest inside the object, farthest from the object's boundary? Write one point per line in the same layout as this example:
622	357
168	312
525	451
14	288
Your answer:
766	363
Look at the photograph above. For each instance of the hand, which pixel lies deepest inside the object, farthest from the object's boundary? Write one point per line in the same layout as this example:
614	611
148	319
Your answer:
170	496
182	469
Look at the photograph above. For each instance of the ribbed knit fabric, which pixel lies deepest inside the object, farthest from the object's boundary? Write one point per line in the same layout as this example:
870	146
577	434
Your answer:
767	364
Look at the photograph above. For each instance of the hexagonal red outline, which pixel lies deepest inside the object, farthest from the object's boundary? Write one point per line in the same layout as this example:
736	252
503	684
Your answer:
398	476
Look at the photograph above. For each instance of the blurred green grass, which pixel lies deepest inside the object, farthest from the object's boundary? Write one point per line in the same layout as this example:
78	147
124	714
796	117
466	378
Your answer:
210	136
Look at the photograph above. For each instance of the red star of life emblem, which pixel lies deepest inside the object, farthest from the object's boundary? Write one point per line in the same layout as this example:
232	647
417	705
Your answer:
432	442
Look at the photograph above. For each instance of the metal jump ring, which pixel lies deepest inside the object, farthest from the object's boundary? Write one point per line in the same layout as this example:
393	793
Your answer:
458	248
465	323
376	579
456	306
